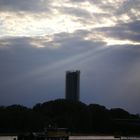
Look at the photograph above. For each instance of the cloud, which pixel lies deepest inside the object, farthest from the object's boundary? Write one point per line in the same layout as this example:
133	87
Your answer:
33	74
24	6
49	17
108	75
27	70
130	8
77	12
58	47
40	40
125	31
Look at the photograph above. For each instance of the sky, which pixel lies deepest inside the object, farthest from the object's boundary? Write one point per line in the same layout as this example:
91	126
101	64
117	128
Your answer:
41	39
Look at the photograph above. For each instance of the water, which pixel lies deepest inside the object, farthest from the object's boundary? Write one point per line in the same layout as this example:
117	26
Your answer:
101	138
81	138
8	137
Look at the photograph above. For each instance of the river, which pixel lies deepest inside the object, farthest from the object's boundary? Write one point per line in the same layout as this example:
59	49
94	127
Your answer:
81	138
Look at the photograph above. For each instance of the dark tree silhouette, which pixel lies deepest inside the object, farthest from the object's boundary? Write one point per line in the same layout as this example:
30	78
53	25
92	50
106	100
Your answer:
76	116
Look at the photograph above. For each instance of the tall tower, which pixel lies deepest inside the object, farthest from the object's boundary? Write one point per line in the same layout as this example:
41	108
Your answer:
72	85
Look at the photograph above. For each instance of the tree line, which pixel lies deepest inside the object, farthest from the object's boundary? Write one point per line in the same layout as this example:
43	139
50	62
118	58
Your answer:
76	116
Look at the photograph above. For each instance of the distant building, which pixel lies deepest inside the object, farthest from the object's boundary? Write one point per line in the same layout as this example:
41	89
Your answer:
72	85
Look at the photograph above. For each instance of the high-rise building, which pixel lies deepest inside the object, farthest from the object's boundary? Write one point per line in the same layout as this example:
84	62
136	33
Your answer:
72	85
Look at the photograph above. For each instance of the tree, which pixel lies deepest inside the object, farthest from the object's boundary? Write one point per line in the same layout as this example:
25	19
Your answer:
65	113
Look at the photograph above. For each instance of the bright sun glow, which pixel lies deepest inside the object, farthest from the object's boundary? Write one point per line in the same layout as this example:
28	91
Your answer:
111	41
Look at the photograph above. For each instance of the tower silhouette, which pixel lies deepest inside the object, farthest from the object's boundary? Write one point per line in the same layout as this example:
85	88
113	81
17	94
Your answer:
72	85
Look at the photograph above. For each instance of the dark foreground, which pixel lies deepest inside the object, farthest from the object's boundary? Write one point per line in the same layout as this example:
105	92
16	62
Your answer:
76	116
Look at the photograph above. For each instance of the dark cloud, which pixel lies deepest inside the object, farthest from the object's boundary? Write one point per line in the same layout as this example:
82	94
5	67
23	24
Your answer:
28	70
128	6
108	76
75	12
113	10
125	31
25	6
31	74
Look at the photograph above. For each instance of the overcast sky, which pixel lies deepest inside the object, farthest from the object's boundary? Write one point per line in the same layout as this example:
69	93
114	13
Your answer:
41	39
